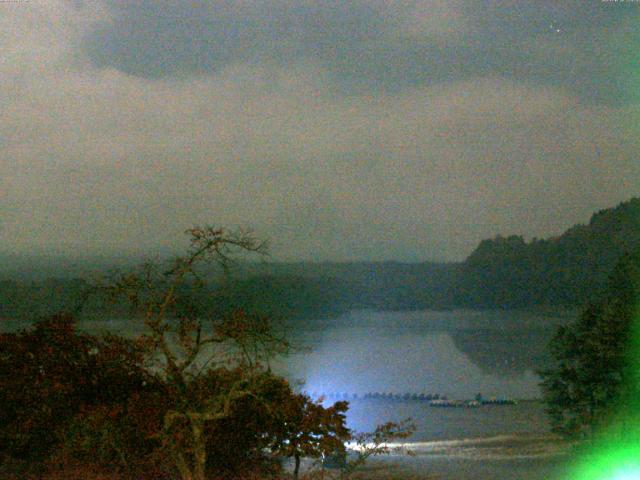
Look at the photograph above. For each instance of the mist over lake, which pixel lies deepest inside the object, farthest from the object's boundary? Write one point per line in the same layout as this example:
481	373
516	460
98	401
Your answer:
457	353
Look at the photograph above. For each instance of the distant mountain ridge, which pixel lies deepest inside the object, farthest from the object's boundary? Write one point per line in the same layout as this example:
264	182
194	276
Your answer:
503	272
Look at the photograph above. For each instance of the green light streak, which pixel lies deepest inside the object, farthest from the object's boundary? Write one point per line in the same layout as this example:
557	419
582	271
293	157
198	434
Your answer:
614	462
615	455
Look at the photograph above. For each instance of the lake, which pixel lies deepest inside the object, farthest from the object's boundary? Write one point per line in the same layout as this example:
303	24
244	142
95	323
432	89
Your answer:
457	354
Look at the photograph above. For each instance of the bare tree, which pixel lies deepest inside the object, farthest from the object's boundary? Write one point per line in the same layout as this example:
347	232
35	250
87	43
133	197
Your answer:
188	341
378	442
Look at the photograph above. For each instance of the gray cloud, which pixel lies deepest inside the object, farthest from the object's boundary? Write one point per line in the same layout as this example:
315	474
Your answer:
155	39
380	45
95	157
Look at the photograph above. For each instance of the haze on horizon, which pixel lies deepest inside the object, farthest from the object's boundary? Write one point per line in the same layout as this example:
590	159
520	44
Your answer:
366	130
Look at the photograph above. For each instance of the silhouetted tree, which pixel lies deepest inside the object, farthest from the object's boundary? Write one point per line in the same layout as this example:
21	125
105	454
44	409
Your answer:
373	444
191	340
596	369
308	429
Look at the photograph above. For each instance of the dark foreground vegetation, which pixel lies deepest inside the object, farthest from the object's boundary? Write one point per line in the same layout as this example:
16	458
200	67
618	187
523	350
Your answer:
594	385
192	398
592	390
504	272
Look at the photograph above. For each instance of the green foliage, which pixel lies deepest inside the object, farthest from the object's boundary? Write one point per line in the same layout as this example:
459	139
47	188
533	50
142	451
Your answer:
596	370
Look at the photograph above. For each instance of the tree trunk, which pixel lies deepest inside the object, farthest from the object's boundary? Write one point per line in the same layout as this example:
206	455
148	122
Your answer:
199	448
296	470
183	468
181	460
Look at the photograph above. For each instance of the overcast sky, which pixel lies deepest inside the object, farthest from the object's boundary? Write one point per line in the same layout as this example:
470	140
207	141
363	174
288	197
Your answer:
361	130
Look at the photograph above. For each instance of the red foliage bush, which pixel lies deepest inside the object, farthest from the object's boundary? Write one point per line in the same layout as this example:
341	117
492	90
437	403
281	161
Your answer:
51	373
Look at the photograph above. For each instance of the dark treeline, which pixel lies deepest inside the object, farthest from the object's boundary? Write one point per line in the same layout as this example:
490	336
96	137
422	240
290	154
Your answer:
504	272
566	270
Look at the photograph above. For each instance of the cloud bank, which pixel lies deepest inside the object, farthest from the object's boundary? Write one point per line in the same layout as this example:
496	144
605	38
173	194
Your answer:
382	130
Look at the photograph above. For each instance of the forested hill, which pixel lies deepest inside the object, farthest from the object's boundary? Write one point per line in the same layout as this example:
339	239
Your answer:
505	272
565	270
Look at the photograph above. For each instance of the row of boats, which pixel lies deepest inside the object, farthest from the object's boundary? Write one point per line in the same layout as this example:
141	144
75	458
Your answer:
471	403
379	396
434	400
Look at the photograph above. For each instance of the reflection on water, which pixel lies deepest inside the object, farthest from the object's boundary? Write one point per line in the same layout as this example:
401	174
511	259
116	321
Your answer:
348	360
509	352
458	353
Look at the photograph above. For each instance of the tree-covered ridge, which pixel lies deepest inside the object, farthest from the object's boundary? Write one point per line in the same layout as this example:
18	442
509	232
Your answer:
503	272
565	270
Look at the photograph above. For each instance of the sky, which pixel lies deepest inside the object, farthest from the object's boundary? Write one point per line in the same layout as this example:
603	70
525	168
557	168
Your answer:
362	130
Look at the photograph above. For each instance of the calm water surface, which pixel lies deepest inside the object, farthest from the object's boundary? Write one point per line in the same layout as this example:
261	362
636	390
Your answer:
457	354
